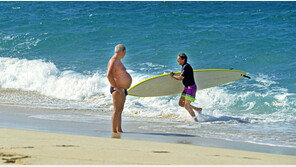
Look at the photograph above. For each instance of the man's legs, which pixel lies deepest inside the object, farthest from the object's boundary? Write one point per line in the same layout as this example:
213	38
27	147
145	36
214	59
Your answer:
118	105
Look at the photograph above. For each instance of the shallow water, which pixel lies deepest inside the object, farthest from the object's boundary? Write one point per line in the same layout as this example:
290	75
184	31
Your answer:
54	56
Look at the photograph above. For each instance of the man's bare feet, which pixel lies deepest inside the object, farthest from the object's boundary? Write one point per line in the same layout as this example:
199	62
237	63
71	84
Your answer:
116	135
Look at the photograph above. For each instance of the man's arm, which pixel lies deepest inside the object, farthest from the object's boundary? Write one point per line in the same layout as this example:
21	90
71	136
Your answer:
110	76
172	74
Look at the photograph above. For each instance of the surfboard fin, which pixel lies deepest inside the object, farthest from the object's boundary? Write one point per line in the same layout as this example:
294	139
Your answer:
247	76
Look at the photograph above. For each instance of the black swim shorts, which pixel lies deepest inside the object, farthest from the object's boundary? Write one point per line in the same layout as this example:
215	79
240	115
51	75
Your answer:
113	90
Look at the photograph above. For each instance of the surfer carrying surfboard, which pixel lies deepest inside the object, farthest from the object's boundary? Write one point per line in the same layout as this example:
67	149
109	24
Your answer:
187	78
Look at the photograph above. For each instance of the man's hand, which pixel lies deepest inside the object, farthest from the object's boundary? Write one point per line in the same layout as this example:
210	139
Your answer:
118	90
172	74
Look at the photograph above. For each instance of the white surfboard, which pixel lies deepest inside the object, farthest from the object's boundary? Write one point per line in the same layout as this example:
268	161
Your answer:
164	85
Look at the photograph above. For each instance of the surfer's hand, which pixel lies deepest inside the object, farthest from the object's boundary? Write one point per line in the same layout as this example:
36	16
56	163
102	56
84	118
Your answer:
172	74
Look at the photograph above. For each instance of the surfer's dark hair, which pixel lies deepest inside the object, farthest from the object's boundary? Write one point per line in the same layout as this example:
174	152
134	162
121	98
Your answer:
183	56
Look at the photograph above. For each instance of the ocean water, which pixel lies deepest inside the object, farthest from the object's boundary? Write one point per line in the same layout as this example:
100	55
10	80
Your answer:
54	55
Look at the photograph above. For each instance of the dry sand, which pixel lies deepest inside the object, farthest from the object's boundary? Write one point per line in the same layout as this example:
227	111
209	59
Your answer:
22	147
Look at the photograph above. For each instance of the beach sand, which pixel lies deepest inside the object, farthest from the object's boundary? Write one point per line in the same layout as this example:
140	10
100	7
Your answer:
23	147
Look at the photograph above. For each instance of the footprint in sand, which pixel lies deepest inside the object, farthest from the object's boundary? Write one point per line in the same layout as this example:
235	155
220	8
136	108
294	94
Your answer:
160	152
12	159
64	145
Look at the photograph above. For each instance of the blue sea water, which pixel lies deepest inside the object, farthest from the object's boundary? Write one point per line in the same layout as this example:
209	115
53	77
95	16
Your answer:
55	54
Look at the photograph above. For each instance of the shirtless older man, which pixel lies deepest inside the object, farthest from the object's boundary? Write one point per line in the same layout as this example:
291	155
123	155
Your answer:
120	81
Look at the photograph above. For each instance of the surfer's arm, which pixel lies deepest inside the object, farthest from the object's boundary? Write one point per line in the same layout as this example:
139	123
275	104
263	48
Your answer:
176	77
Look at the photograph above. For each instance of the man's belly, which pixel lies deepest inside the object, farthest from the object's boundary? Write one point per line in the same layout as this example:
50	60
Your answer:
124	80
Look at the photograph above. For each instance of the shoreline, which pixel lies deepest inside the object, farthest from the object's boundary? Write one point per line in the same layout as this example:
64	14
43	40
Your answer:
24	147
13	117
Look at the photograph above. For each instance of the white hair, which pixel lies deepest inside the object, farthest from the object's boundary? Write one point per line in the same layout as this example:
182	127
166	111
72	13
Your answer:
119	48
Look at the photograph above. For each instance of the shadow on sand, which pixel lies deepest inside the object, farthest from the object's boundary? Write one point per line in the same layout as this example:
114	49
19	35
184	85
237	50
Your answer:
162	134
209	118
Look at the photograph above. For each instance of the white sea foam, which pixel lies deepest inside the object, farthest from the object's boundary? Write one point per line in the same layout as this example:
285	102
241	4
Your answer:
44	78
264	80
70	89
8	37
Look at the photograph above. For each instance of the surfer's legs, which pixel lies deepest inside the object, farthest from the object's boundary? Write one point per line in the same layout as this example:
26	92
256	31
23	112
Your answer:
186	103
118	104
182	104
182	101
188	108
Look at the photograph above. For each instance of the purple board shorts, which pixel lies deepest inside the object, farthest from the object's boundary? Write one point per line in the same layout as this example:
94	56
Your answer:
189	93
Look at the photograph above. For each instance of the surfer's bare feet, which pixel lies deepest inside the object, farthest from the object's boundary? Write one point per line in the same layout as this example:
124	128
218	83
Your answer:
197	109
195	119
